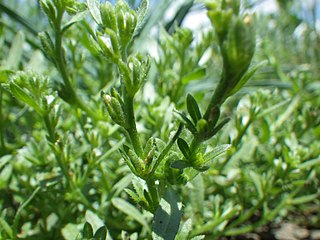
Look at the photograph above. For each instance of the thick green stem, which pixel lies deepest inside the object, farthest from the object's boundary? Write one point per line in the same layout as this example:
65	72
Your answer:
131	127
59	53
216	99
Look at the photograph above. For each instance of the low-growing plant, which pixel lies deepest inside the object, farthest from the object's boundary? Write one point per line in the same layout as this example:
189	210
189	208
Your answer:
100	140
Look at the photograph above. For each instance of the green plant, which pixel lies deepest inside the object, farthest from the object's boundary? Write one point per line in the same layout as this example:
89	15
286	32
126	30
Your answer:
87	153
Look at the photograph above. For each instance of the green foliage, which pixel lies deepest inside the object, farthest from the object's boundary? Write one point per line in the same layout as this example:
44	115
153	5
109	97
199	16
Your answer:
100	139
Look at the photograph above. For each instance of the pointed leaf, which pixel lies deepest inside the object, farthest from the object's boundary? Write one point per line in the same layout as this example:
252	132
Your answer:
185	230
167	217
195	75
70	231
15	52
214	131
141	14
122	184
258	183
188	122
76	18
193	109
94	8
309	163
245	78
184	148
24	97
130	210
200	237
87	231
133	195
139	186
216	152
94	220
5	74
101	234
305	199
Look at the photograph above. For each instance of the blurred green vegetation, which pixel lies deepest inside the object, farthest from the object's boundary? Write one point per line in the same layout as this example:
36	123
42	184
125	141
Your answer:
53	182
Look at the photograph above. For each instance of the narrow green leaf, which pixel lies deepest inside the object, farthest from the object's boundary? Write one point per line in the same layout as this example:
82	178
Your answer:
24	97
185	230
245	78
216	152
16	16
167	217
214	131
197	194
76	18
87	231
184	148
100	234
141	14
195	75
6	227
200	237
193	109
130	210
5	74
139	186
47	45
295	103
15	52
305	199
273	108
94	9
94	220
187	121
70	231
257	181
22	207
133	195
309	163
122	184
110	151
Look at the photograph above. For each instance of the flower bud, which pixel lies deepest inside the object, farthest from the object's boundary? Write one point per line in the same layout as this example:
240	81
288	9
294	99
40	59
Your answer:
108	16
135	72
126	25
239	46
47	45
114	109
109	45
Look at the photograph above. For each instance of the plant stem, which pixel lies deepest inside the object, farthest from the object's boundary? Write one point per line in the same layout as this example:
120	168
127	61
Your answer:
61	66
59	54
18	214
212	224
131	125
216	99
